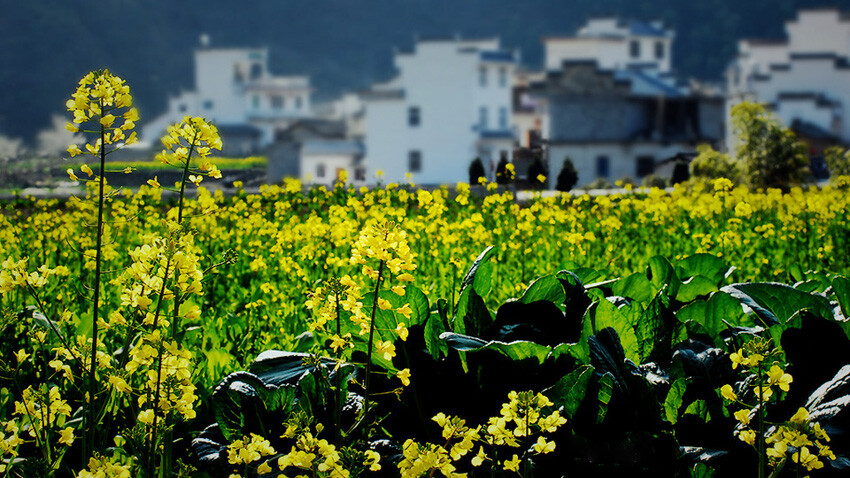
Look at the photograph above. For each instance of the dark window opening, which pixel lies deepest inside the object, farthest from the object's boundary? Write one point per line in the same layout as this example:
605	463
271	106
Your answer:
602	166
645	166
277	102
413	118
414	161
256	71
659	50
634	49
208	105
320	170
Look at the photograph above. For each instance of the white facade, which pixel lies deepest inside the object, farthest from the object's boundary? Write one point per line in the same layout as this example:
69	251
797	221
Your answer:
450	103
614	44
233	88
804	78
611	161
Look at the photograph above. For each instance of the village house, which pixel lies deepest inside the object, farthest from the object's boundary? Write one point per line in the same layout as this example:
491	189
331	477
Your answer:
449	103
613	105
804	78
235	90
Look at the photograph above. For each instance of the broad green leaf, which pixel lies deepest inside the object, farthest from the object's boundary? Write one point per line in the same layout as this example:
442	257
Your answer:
841	287
606	391
579	350
776	303
695	287
472	315
569	391
606	314
434	327
661	274
673	402
712	313
704	265
635	286
517	350
548	288
699	408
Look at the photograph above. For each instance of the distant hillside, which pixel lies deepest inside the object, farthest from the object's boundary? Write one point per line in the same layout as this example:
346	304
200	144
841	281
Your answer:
47	45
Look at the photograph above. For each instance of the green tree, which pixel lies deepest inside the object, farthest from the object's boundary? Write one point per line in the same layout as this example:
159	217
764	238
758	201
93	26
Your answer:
568	177
476	170
770	155
711	164
838	162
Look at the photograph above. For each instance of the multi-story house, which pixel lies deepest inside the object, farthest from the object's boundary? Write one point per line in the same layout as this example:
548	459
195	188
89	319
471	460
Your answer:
449	103
804	78
234	89
614	107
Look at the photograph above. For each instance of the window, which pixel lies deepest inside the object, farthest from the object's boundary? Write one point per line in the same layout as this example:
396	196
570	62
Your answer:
237	74
320	170
298	102
208	104
255	102
503	118
256	71
602	166
645	165
182	108
634	49
277	102
659	50
482	76
413	116
503	77
414	161
482	118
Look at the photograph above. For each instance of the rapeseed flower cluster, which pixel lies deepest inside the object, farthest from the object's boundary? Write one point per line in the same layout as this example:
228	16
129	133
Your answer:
100	97
192	137
799	439
104	467
520	419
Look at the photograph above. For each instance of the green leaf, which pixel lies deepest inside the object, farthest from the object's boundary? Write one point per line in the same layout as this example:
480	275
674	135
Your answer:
635	286
712	313
701	470
606	391
579	350
471	315
661	274
775	303
386	321
569	391
434	327
517	350
699	408
673	402
841	287
704	265
548	288
695	287
606	314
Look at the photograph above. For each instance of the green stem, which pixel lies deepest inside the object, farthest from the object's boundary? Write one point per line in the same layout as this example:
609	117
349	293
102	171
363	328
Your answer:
89	442
761	417
339	397
369	351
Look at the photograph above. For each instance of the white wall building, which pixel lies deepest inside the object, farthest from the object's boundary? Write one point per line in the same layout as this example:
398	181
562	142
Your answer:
804	79
234	89
449	103
615	45
613	106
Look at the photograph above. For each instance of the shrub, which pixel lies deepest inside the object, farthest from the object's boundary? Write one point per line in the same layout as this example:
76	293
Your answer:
838	162
535	170
654	181
476	170
568	177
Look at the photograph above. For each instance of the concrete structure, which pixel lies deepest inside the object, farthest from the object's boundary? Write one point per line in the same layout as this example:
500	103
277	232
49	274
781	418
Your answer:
449	103
235	90
804	78
614	44
315	150
614	107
